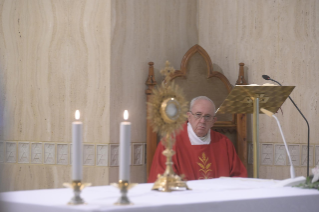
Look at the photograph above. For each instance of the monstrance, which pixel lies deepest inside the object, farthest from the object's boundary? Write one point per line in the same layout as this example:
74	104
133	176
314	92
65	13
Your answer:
167	113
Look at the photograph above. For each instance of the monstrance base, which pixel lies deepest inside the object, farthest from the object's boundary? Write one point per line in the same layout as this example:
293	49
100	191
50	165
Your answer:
170	182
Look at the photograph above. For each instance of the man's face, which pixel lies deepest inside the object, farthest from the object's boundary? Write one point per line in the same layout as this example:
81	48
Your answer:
202	108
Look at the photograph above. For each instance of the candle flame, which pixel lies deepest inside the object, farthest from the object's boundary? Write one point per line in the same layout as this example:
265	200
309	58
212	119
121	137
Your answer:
77	114
125	115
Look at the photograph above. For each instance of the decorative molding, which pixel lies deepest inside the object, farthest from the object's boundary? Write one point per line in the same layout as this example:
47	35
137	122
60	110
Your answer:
304	155
102	155
294	151
280	154
23	152
36	153
11	152
108	154
62	154
2	152
138	153
88	155
49	153
267	154
114	156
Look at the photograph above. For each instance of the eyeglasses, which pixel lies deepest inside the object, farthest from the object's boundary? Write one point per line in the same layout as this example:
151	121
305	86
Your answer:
199	116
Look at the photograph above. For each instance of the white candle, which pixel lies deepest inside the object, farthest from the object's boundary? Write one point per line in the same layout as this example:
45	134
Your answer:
77	148
125	146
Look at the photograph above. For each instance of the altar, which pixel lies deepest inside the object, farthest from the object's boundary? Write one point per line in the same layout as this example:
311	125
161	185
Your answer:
222	194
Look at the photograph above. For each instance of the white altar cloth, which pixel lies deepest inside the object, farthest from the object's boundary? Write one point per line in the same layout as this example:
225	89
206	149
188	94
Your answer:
222	194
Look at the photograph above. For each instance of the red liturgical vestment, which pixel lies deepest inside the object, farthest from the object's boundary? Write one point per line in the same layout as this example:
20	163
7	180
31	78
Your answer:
195	162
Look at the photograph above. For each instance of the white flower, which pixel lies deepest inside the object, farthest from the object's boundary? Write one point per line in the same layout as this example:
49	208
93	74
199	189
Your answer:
315	172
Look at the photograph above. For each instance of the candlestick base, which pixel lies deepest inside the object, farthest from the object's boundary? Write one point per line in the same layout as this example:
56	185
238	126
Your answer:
77	187
170	182
124	186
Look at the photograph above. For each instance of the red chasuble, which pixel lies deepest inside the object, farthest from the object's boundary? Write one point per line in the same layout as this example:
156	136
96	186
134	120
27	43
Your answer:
195	162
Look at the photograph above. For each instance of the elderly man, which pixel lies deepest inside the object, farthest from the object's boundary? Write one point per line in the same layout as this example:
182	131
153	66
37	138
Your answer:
201	153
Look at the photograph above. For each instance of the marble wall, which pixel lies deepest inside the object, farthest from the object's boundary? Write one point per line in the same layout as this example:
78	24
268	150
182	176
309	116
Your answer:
91	55
281	39
55	58
144	31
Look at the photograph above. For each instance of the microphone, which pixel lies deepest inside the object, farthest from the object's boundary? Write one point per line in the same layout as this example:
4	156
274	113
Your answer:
292	170
266	77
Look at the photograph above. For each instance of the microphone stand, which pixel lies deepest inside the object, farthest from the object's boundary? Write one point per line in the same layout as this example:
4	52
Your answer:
308	146
292	170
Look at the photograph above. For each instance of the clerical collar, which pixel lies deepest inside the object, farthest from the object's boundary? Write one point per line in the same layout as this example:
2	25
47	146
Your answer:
203	138
195	140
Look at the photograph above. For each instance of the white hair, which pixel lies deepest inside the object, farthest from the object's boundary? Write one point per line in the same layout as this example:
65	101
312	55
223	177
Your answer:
201	98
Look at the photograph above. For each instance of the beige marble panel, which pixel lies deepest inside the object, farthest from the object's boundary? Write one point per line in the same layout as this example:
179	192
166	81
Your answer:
279	173
97	36
257	37
27	177
55	58
59	56
96	175
217	26
12	62
137	174
114	174
277	38
89	60
144	31
298	65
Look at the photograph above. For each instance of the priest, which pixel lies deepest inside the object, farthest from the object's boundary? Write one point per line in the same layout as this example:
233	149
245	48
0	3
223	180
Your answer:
200	153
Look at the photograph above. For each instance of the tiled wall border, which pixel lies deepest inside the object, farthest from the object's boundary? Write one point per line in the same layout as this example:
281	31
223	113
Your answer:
298	153
51	153
23	152
114	154
294	151
102	152
36	153
138	156
304	155
107	154
62	154
11	152
266	154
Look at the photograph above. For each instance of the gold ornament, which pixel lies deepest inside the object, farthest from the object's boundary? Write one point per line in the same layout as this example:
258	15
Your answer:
167	71
167	109
167	113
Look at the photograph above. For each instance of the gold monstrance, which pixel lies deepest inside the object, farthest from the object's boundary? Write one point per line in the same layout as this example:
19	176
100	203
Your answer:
167	113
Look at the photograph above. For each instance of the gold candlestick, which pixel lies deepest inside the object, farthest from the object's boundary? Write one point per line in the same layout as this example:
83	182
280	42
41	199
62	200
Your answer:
124	186
77	187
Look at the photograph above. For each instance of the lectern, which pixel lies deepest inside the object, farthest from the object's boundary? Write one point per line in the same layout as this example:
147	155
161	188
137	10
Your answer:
249	99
